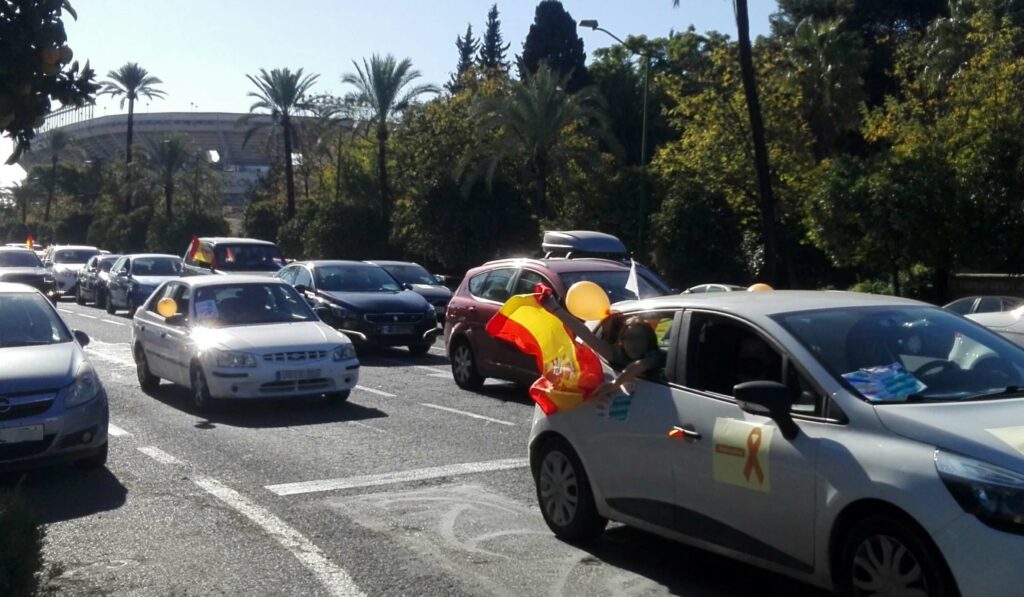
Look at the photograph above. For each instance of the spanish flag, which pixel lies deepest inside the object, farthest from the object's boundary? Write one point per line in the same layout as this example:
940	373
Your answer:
570	371
30	242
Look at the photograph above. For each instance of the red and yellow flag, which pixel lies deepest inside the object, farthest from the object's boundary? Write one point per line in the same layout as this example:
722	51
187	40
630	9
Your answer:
30	242
570	371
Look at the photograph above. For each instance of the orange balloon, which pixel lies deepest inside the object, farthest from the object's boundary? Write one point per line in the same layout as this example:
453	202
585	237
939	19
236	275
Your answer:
760	287
587	301
167	307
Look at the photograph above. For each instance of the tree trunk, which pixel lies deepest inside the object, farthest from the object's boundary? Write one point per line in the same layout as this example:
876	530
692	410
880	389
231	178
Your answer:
337	172
382	173
128	154
53	185
169	196
767	200
289	174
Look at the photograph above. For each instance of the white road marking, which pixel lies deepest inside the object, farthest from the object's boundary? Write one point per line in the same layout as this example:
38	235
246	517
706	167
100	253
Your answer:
375	391
116	353
439	350
115	431
468	414
444	375
159	455
86	316
120	323
422	474
431	369
361	424
68	311
335	579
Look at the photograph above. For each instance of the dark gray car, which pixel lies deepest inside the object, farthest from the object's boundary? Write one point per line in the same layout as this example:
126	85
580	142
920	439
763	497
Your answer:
415	277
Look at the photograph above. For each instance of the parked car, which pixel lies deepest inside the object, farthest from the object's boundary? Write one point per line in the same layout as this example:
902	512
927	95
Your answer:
218	255
365	303
419	280
21	265
1009	324
984	304
93	278
476	355
701	288
53	408
64	263
134	277
809	433
245	337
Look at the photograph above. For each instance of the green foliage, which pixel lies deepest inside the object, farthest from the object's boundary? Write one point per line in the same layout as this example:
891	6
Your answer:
491	58
172	235
262	219
21	546
553	40
467	46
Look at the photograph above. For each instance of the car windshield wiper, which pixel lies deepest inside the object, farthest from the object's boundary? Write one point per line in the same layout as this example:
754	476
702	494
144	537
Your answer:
1007	392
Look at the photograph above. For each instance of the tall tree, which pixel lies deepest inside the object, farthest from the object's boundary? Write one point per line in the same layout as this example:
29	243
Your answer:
130	82
384	87
57	142
170	157
553	39
467	46
285	95
491	57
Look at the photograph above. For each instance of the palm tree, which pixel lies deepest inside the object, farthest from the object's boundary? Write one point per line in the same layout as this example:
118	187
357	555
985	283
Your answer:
131	81
384	88
170	157
57	142
284	94
532	124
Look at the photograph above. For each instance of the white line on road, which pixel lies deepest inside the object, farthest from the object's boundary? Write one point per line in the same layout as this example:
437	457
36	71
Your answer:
116	431
86	316
375	391
360	424
468	414
159	455
431	369
434	472
335	579
68	311
444	375
120	323
106	354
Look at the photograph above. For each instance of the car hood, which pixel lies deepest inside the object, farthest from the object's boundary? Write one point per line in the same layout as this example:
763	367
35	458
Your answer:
432	293
261	273
153	280
305	335
405	301
21	271
35	368
968	428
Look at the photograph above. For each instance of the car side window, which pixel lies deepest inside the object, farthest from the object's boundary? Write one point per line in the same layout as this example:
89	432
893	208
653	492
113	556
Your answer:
302	277
167	291
656	325
989	304
119	265
476	283
183	296
962	306
288	274
528	280
496	286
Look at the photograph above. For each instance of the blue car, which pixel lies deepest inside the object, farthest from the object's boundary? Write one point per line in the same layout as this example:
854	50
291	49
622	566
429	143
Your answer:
53	408
134	277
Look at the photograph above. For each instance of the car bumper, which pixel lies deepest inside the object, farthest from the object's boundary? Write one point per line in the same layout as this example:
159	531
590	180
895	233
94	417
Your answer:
65	284
68	434
273	382
984	561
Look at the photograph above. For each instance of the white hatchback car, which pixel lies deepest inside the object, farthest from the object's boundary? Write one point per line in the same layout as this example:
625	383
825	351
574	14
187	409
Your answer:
246	337
867	444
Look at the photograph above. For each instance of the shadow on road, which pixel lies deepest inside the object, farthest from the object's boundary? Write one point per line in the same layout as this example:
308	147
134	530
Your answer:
266	413
400	357
66	492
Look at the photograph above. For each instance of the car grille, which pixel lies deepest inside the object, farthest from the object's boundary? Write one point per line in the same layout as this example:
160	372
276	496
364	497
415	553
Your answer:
300	356
31	406
394	317
305	385
25	449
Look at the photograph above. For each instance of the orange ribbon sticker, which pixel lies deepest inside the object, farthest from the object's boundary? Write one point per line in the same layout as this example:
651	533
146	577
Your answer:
742	454
753	465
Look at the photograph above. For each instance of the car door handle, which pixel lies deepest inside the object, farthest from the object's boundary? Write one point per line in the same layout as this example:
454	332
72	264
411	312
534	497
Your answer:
686	432
163	334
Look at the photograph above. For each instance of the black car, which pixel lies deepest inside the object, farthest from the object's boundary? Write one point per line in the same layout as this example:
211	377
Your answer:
93	279
364	302
219	255
22	266
419	280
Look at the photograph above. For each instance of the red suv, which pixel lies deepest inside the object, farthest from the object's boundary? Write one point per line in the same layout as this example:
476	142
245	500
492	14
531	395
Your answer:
475	355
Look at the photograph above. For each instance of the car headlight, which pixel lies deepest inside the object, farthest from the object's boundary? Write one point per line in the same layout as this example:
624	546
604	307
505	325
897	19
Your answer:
85	388
993	494
344	352
339	311
229	359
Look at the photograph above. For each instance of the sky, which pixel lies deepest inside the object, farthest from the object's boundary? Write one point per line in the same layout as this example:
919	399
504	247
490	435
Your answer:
202	49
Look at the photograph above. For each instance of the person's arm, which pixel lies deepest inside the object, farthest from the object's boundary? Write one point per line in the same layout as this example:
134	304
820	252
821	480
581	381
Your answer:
602	348
628	375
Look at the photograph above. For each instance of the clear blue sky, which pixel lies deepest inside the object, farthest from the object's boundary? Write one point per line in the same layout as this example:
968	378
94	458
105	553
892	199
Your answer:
202	49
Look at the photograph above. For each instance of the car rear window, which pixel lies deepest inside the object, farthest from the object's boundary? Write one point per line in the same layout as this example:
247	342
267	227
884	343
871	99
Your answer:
74	255
614	283
19	259
248	257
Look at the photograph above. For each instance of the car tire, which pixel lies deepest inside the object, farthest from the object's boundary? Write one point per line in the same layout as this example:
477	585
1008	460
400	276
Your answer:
108	304
97	460
464	368
147	381
564	495
420	349
130	305
78	295
866	558
101	301
201	398
338	397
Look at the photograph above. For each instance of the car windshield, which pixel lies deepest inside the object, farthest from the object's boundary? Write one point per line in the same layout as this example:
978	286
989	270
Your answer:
19	259
900	354
27	319
411	274
156	266
74	255
614	283
249	304
249	258
354	278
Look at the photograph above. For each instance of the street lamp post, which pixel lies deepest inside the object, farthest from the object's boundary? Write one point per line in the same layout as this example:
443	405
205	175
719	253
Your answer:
593	24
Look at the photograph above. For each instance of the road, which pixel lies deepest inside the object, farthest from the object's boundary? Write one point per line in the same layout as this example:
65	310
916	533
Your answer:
412	487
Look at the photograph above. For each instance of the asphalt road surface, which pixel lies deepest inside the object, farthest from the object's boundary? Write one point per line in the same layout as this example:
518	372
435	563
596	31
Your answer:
413	487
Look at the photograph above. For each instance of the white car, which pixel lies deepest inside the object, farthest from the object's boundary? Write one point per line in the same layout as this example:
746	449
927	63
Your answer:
243	337
866	444
65	262
1007	323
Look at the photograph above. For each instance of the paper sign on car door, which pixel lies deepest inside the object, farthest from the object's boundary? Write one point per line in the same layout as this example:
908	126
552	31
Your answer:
742	454
1011	435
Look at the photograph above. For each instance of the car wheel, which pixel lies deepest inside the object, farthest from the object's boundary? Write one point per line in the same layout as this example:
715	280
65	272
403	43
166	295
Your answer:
97	460
101	300
564	495
464	367
108	304
883	555
201	398
78	295
339	397
147	381
130	304
421	348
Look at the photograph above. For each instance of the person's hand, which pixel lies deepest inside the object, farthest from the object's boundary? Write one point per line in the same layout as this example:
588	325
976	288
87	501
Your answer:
549	302
605	390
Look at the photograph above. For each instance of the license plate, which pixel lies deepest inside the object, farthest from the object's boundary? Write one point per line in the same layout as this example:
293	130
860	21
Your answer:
17	435
298	374
396	330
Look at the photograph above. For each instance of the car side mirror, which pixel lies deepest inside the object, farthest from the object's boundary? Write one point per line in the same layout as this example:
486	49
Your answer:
771	399
301	288
82	338
177	320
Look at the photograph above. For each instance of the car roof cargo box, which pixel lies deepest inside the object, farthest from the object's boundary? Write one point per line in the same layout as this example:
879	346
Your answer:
582	243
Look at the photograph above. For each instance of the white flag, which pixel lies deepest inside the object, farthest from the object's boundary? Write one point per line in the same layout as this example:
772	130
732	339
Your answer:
632	284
